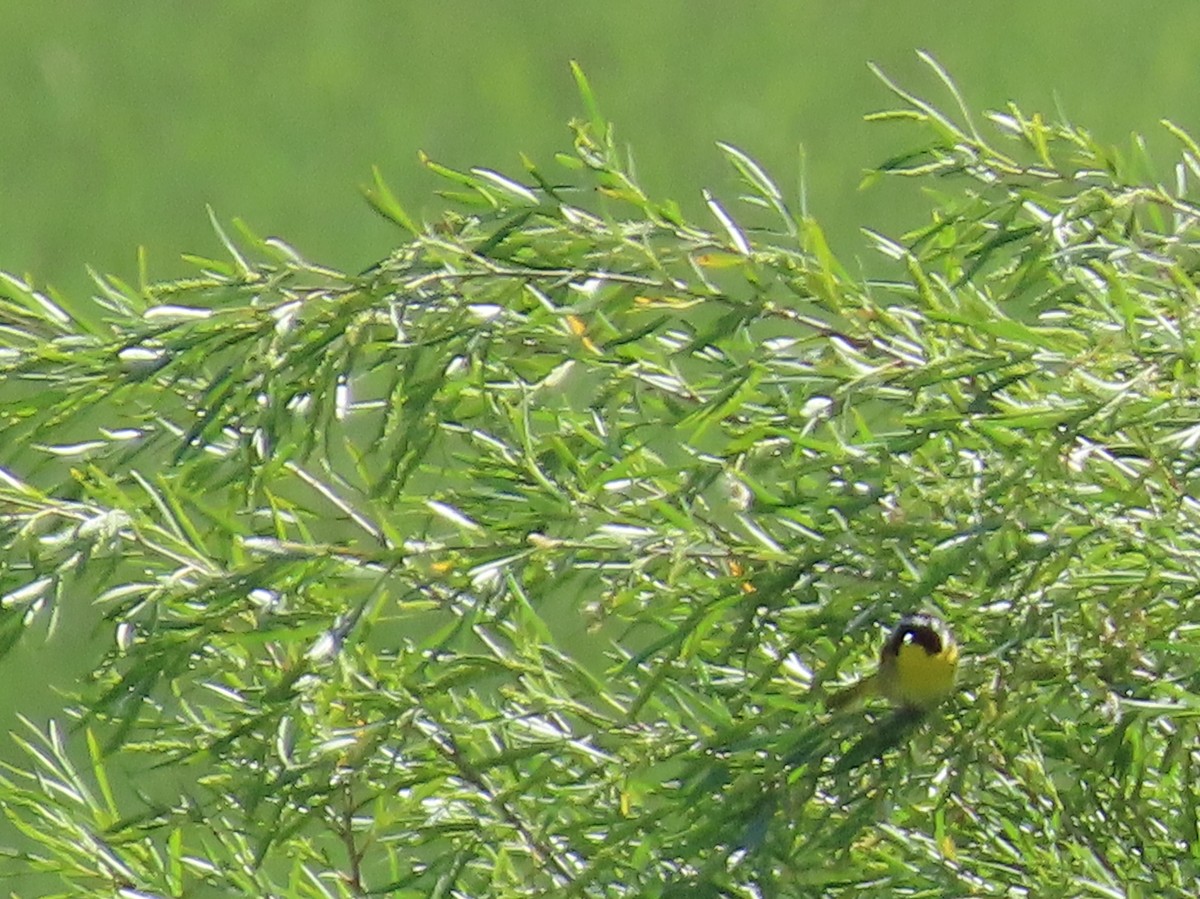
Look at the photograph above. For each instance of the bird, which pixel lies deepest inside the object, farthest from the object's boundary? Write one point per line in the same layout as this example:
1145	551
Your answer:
917	667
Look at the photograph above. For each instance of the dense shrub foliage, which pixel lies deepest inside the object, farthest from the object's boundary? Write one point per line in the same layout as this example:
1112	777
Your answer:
522	562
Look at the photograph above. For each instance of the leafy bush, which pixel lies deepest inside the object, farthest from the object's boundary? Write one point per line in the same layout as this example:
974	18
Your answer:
522	562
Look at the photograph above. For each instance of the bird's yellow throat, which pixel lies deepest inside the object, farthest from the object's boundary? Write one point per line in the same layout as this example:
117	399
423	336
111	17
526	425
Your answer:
920	673
917	667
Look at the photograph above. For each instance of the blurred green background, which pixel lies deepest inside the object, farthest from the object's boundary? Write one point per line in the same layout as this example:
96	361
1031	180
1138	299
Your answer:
122	121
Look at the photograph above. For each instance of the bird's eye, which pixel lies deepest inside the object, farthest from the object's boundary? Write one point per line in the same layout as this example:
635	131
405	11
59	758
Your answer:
925	637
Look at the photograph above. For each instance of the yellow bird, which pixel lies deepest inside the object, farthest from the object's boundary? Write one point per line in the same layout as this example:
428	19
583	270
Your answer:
917	667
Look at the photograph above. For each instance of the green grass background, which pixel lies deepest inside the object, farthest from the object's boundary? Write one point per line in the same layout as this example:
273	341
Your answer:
121	122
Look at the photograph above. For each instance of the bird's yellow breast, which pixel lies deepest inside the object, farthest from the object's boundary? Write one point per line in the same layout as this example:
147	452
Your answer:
916	677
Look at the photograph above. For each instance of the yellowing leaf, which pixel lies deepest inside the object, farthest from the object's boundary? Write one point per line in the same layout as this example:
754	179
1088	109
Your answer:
718	260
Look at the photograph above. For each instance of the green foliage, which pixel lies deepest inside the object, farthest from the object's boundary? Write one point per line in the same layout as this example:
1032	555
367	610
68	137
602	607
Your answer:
521	563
